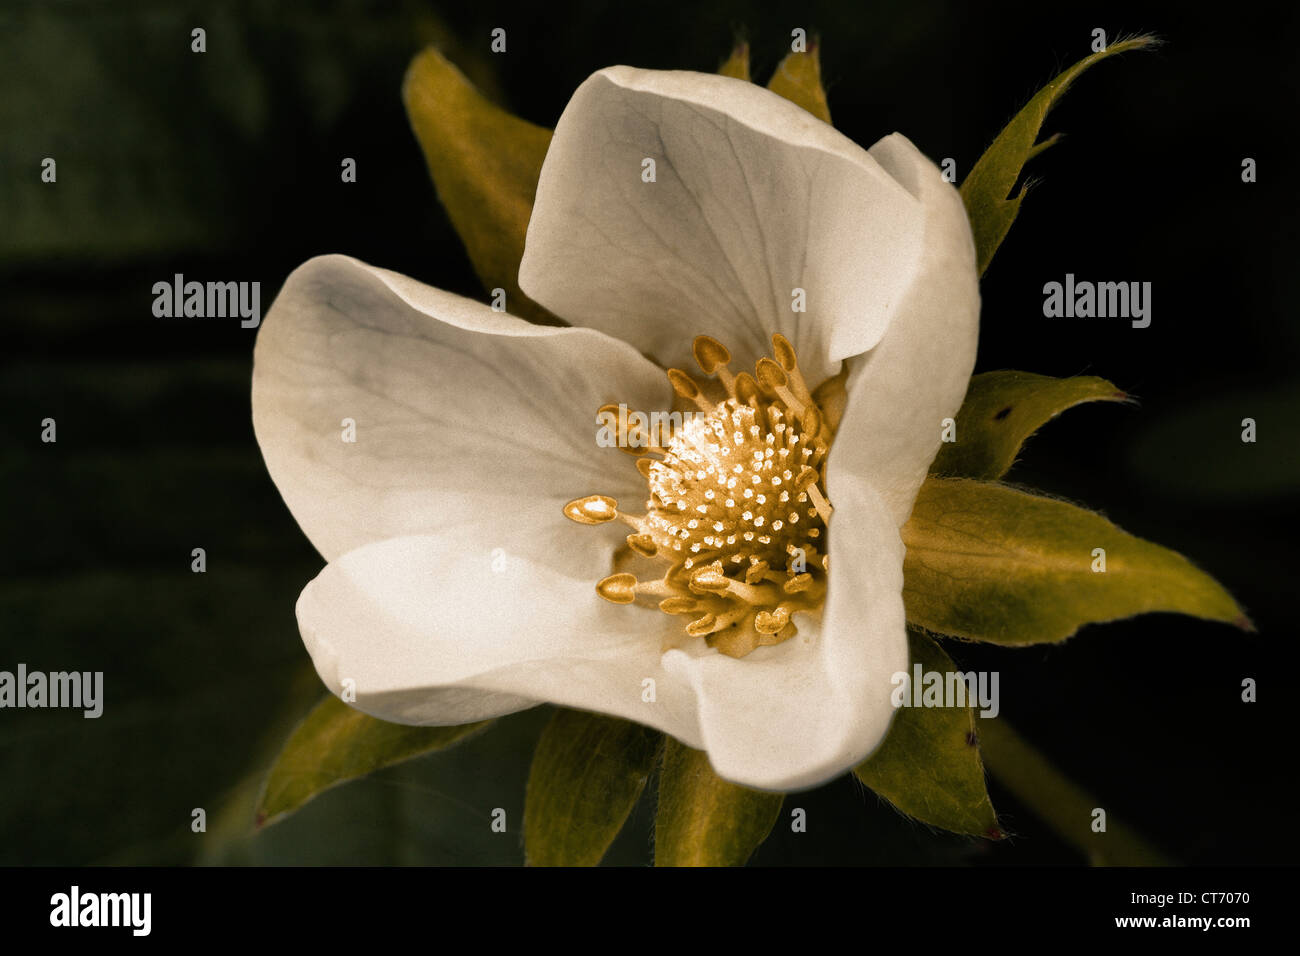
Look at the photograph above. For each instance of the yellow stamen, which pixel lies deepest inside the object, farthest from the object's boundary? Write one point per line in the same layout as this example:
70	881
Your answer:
710	354
643	545
734	505
824	509
593	509
785	357
689	389
770	622
618	588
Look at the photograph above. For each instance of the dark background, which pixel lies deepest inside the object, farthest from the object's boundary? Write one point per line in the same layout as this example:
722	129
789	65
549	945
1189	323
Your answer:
226	165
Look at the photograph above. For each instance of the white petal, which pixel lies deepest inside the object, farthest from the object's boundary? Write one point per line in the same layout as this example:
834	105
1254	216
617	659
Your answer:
433	635
900	392
466	419
797	714
753	198
427	634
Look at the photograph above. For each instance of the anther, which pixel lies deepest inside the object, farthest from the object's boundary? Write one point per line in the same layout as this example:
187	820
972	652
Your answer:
770	622
773	378
711	623
643	544
618	588
702	626
632	438
798	583
593	509
784	353
710	578
688	388
746	389
710	354
770	375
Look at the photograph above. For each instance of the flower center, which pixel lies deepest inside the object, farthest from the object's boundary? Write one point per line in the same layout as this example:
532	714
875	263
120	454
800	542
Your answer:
736	505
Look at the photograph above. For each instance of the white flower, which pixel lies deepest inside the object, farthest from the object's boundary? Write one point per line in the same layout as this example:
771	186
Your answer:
456	589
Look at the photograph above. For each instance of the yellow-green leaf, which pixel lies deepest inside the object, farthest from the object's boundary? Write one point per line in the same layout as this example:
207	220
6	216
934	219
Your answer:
929	765
987	190
986	562
703	820
337	743
588	772
1002	409
485	163
799	79
737	65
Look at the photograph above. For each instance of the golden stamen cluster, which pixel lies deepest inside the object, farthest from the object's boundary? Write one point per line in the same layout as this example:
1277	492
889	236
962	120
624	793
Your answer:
736	506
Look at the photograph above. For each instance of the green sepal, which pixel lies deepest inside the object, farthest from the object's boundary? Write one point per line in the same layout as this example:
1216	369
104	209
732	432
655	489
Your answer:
798	78
736	66
336	743
986	562
587	774
1004	408
929	764
485	163
702	819
987	190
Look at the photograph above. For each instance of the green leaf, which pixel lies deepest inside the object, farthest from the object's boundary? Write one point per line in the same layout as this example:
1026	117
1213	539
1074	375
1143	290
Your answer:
337	743
988	563
703	820
987	190
737	65
438	810
799	79
587	774
485	163
929	765
1002	409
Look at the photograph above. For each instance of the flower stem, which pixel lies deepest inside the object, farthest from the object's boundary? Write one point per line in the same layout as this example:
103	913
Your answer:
1059	802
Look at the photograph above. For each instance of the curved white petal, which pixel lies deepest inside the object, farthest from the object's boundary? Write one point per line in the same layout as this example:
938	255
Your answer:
424	633
753	197
900	392
431	634
466	420
794	715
